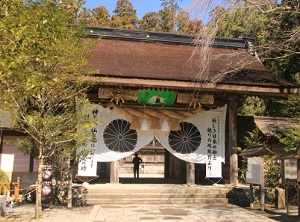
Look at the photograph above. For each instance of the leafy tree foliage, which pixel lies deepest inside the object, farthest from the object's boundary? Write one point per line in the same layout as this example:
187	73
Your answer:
252	106
101	15
169	19
186	25
275	31
291	138
124	15
3	178
168	15
85	17
150	22
253	138
41	61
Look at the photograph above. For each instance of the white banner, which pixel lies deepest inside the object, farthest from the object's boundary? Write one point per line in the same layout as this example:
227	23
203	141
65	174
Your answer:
202	136
213	167
87	167
114	139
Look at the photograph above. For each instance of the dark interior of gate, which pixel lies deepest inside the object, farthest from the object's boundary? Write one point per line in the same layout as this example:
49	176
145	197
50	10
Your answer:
153	77
158	166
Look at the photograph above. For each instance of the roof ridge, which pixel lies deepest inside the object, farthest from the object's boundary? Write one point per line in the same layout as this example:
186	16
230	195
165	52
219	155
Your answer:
161	37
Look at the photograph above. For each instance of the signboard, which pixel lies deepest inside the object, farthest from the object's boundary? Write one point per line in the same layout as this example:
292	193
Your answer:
254	175
5	119
87	167
156	97
47	181
214	168
214	138
290	169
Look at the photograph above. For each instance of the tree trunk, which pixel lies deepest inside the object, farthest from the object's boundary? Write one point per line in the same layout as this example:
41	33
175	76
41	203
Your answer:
38	209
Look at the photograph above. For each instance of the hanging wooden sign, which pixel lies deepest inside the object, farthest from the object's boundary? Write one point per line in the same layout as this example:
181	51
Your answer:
156	97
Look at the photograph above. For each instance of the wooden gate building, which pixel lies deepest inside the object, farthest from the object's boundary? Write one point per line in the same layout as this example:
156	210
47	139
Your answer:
130	61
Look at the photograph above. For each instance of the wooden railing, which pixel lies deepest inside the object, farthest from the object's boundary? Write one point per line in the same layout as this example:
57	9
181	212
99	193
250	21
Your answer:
5	187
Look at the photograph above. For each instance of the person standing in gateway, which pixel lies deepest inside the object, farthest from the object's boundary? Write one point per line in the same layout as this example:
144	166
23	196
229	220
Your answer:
136	165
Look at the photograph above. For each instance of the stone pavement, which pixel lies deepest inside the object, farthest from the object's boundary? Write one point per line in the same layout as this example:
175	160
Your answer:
150	212
176	212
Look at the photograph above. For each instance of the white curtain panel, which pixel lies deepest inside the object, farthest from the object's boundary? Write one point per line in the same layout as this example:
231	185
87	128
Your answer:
114	139
198	133
201	137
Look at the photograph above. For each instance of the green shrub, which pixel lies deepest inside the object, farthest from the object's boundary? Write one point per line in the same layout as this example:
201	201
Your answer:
3	177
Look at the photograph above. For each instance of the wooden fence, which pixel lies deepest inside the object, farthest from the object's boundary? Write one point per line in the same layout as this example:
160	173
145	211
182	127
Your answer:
13	187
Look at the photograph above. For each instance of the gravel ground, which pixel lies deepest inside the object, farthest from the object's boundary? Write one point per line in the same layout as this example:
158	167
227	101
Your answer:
25	212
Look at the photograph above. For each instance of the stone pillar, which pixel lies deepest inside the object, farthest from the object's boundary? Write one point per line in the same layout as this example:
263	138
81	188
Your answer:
280	198
114	172
2	205
190	173
232	143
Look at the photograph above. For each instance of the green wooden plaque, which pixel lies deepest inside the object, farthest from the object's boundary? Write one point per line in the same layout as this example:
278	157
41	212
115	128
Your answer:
156	97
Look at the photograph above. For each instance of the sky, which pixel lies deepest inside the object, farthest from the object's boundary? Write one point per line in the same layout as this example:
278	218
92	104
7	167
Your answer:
142	6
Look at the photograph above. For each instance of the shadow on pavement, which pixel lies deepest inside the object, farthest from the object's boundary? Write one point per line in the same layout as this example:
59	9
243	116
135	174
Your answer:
281	216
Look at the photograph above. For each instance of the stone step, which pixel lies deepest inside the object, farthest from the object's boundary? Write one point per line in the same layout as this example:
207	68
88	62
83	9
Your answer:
158	190
156	200
156	193
153	192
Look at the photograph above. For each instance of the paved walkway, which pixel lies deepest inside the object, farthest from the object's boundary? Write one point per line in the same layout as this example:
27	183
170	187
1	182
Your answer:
172	213
149	212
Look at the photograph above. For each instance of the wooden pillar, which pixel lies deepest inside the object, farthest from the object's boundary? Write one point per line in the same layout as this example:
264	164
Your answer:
262	186
287	200
114	172
167	164
232	143
298	182
251	196
1	141
190	173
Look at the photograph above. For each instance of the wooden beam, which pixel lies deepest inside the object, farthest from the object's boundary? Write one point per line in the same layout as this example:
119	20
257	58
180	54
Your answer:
209	87
232	143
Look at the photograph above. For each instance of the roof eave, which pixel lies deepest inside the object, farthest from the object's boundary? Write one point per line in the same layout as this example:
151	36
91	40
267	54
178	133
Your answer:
214	87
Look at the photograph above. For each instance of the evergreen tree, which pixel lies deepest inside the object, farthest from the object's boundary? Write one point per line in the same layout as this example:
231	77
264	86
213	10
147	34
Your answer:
150	22
168	15
101	16
252	106
41	64
124	15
